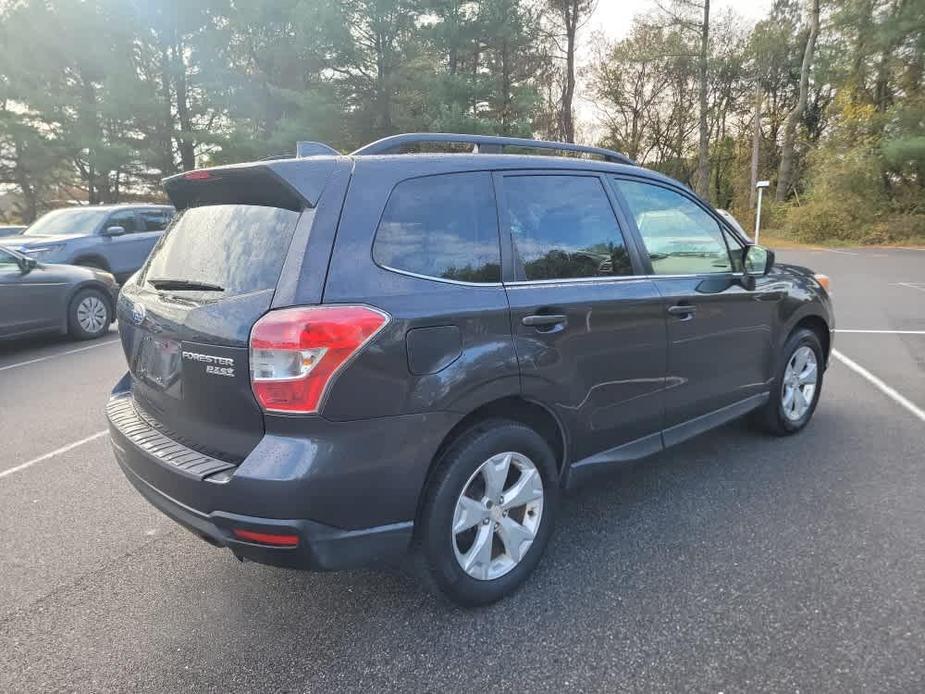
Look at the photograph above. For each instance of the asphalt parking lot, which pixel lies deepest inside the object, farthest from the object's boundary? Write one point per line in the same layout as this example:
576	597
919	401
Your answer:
736	562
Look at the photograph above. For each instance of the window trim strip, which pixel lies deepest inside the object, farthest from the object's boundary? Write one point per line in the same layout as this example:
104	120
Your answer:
438	279
623	278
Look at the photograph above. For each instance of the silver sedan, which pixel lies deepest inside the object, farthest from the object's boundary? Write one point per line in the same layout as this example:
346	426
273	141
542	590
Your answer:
37	297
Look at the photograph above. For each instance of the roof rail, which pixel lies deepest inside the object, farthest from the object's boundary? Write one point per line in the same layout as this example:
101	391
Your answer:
484	144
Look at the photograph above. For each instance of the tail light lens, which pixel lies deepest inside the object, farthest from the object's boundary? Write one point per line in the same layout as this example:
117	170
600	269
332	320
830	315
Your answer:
295	353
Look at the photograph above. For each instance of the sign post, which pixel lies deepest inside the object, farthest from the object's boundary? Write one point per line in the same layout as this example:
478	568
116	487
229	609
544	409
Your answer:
761	185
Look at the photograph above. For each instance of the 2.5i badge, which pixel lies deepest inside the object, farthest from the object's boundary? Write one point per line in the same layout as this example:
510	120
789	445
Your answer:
220	366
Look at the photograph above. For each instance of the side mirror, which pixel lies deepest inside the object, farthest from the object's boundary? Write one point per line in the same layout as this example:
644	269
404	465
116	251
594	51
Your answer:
114	231
27	265
758	261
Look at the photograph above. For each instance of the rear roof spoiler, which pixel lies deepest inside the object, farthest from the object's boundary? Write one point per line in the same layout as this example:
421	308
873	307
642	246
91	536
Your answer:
292	184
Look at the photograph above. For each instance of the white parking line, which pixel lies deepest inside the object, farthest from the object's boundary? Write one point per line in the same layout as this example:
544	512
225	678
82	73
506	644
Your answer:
890	392
833	250
57	354
911	285
885	332
52	454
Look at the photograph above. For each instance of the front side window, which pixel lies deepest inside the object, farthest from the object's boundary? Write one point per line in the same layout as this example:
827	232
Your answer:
442	226
564	227
680	237
125	219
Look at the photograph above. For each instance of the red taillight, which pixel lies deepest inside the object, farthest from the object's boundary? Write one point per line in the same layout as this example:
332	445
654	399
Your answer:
296	352
275	539
197	175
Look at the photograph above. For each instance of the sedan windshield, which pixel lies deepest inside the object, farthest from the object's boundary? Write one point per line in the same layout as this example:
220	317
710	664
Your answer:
66	222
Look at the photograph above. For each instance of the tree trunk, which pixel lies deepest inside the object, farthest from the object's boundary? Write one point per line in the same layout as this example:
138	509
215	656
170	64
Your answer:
785	173
566	121
703	159
29	208
505	88
756	147
165	136
184	139
383	85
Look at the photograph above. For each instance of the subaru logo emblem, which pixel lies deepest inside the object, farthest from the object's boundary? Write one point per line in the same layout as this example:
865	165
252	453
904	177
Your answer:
138	313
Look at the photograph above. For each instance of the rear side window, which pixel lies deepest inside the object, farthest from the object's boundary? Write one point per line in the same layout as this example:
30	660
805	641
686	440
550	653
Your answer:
444	227
564	227
238	247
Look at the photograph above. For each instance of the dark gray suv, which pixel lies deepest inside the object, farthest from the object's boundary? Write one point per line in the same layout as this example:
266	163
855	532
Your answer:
336	360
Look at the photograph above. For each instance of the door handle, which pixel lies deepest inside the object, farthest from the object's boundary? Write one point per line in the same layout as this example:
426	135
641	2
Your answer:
544	319
684	310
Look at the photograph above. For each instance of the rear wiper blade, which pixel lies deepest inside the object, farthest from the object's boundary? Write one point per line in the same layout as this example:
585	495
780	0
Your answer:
194	285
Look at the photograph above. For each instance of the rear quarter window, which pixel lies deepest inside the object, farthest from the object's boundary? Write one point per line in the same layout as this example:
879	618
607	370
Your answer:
445	227
238	247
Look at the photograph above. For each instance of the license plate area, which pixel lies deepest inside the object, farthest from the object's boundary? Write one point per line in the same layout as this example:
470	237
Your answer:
159	365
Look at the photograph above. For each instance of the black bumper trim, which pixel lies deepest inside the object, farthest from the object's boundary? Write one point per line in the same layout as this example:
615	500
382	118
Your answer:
125	418
321	547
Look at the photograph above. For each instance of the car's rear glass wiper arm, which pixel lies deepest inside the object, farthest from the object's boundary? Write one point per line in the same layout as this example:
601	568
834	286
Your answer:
194	285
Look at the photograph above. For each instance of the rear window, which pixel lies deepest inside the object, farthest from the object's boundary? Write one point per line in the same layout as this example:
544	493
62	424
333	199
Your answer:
442	226
238	247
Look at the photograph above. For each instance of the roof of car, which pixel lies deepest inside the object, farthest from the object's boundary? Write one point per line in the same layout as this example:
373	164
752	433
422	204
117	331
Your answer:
436	162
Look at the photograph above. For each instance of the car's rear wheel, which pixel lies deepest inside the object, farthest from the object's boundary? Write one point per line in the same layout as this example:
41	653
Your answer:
796	387
89	314
489	512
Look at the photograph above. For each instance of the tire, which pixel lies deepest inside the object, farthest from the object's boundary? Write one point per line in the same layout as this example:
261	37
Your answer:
441	552
780	416
89	314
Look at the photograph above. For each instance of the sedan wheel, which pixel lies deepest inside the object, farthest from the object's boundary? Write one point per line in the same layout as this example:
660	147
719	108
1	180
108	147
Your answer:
92	314
89	314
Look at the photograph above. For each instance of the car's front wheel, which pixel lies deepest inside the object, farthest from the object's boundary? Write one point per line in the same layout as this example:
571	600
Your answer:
796	388
489	512
89	314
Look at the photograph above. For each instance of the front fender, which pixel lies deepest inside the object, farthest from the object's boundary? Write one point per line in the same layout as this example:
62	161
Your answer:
805	300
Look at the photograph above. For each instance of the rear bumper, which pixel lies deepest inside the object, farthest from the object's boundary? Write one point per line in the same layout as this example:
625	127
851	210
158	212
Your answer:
348	490
321	547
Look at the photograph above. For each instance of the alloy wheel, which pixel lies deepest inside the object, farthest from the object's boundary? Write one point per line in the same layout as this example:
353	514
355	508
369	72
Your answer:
497	516
799	385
